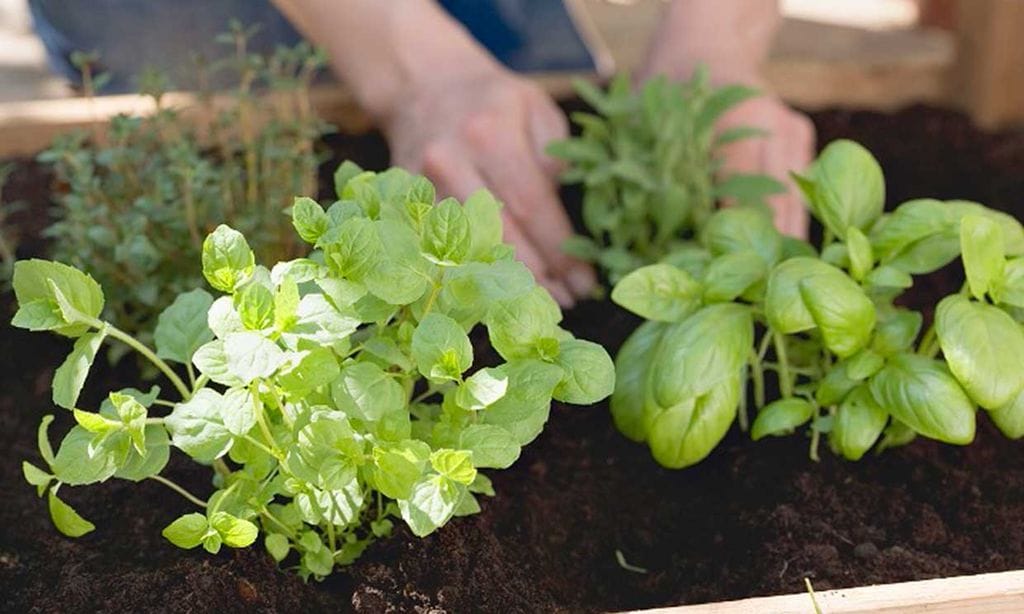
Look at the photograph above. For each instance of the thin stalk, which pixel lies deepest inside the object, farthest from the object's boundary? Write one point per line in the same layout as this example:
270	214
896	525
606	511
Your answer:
266	514
259	445
191	375
757	375
785	378
136	345
178	489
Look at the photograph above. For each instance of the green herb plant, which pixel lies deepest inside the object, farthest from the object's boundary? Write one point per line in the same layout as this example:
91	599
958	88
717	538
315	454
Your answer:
8	235
744	309
140	195
331	394
648	161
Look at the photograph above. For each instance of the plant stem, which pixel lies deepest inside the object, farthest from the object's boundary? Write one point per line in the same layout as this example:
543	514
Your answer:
266	514
757	374
785	378
178	489
136	345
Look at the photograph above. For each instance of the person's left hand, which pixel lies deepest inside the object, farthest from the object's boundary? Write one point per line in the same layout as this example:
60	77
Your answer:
788	146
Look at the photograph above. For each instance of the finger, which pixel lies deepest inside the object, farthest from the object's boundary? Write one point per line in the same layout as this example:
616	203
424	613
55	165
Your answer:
527	253
530	197
547	123
795	152
454	175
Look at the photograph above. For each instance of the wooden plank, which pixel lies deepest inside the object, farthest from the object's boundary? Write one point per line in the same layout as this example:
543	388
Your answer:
993	593
990	71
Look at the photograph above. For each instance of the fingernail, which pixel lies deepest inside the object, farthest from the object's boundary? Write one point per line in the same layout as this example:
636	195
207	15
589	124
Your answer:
581	280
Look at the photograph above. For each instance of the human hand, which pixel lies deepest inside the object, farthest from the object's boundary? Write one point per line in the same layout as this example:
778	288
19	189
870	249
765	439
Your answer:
788	146
489	129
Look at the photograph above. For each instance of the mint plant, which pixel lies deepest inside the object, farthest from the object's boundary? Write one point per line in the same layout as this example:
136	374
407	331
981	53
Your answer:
140	195
744	308
331	394
648	161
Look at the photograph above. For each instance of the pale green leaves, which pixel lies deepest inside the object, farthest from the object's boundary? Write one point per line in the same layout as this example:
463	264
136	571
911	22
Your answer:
69	378
858	424
55	296
446	236
781	417
984	348
519	328
659	292
981	247
309	218
182	328
924	395
221	528
66	519
845	187
239	358
197	426
804	294
589	372
227	259
441	348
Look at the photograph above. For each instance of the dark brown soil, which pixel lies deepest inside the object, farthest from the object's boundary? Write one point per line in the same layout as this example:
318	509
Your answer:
753	519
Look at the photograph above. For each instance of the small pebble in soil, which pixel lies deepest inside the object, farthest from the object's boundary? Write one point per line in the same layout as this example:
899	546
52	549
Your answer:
866	551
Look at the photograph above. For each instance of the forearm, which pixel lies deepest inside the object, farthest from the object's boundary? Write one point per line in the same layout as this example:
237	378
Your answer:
731	38
381	48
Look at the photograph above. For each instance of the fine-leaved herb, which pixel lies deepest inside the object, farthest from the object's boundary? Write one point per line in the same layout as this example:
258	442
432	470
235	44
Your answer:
332	394
648	161
139	196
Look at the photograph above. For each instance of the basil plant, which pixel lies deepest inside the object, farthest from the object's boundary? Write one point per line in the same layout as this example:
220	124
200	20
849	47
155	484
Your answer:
648	160
744	308
332	395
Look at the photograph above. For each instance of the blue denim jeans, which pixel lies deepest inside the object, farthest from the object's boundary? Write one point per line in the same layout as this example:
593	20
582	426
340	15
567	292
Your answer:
132	35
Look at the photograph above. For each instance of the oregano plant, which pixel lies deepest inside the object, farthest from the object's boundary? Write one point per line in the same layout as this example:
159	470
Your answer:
744	309
648	160
332	394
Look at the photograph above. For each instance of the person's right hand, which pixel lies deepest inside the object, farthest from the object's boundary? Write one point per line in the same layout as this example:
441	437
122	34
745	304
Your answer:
489	129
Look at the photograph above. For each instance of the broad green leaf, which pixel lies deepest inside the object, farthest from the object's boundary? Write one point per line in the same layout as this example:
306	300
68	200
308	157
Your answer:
187	531
355	251
924	395
631	367
524	408
864	364
516	326
658	292
482	389
589	373
896	331
690	360
235	532
849	189
984	348
75	465
227	259
250	356
430	505
399	468
1010	417
441	348
309	218
69	378
742	229
804	294
343	174
862	257
456	465
320	322
254	303
483	212
781	417
66	519
238	411
730	275
277	546
682	436
138	467
981	247
858	424
446	233
36	476
315	368
36	284
492	446
402	275
366	392
182	327
223	319
197	426
1009	288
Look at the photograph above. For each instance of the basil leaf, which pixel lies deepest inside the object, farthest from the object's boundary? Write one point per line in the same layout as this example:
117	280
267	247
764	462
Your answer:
922	394
858	424
781	417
